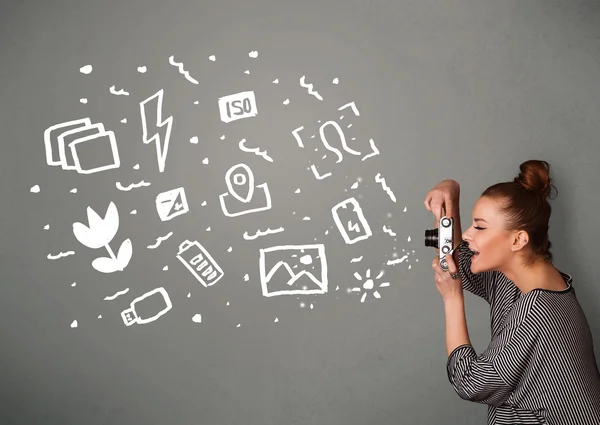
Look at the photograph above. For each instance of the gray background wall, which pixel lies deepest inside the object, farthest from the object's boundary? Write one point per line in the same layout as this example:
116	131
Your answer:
456	89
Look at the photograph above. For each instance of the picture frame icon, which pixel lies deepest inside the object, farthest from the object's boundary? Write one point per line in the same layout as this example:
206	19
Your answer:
296	264
76	145
65	153
107	135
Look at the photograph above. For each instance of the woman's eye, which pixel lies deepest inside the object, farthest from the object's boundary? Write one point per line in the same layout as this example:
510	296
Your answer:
478	228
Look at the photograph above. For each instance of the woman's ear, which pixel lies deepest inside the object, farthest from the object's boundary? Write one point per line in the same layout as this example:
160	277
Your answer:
521	239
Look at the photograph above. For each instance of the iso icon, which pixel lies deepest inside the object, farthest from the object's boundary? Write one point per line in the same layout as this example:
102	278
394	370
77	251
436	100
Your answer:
237	106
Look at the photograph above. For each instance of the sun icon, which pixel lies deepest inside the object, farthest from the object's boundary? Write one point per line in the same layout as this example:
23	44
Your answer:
368	284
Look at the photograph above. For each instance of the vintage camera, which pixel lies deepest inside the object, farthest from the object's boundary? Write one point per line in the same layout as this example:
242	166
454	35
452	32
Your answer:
441	238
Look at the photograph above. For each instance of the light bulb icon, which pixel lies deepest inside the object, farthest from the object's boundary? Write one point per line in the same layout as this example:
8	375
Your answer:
245	196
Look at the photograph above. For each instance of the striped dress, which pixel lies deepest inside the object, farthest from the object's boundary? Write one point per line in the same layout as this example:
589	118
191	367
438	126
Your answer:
539	367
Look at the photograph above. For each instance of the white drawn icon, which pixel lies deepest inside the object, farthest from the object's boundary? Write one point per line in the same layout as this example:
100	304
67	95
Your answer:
61	254
171	203
160	240
259	233
351	221
369	284
240	185
338	129
342	140
182	71
127	188
64	139
255	151
296	134
317	175
81	146
388	230
157	130
309	87
199	262
237	106
385	187
352	106
374	150
99	233
293	271
121	92
131	315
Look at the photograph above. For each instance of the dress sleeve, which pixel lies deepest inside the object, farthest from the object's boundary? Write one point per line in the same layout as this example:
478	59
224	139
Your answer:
491	377
480	284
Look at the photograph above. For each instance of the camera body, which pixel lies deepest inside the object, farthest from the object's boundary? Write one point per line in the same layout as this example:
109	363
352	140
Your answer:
441	238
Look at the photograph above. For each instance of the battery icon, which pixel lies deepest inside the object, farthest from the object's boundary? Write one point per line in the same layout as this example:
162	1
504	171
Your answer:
199	262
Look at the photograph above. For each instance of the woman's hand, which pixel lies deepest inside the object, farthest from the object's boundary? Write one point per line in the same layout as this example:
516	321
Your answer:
447	287
442	198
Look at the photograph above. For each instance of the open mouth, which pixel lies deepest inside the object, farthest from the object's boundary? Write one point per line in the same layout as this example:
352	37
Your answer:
475	254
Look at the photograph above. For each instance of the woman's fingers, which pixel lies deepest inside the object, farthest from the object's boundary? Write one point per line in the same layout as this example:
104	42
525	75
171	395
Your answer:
438	210
449	204
440	203
452	268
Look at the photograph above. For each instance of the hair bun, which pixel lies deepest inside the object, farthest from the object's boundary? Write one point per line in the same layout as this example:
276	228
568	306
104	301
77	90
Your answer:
535	177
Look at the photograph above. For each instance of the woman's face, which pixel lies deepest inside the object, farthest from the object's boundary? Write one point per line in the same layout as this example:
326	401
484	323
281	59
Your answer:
488	237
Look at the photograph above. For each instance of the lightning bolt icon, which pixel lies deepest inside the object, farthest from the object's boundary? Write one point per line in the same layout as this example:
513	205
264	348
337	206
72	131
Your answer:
159	130
353	227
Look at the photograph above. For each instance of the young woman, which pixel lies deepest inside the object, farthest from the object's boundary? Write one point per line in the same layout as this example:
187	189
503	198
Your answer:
539	367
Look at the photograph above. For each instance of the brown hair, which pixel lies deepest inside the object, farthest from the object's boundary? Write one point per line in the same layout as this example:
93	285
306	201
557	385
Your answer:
526	207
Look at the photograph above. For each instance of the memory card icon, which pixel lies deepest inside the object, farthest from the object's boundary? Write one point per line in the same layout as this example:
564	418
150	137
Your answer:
199	262
351	221
171	203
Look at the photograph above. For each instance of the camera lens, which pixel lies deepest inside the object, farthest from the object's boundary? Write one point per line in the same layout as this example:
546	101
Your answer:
431	238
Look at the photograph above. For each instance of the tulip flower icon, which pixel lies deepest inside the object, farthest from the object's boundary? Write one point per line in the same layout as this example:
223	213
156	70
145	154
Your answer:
99	233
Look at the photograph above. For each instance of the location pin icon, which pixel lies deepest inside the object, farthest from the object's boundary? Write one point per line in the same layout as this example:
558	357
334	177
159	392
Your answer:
241	185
